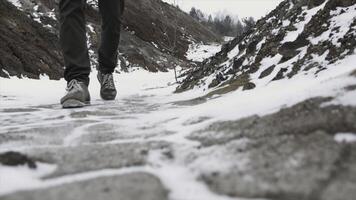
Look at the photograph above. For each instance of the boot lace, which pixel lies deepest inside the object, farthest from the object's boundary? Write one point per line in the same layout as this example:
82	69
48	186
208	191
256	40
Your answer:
108	81
73	84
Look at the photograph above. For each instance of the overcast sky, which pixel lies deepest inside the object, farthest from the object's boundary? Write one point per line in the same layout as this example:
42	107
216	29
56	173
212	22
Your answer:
242	8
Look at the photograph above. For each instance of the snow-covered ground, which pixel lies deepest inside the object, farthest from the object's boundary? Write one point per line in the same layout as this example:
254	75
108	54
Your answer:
158	88
199	52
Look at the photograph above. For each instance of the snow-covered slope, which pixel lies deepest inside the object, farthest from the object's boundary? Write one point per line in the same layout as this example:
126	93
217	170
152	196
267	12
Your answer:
29	36
298	38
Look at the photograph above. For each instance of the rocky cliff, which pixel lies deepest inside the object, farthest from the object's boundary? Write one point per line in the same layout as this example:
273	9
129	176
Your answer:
298	37
155	36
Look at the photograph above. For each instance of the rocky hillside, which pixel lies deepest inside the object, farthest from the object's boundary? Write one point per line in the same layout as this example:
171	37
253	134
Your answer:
298	37
155	36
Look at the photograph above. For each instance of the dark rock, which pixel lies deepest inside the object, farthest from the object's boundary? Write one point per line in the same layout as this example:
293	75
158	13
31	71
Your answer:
249	86
16	159
238	62
332	4
315	3
251	47
353	73
350	88
218	79
26	47
267	71
280	74
289	49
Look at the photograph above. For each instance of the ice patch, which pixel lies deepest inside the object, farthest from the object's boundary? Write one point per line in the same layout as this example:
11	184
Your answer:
345	137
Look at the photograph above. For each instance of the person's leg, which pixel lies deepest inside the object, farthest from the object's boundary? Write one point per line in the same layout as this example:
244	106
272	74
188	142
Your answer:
111	12
73	40
75	53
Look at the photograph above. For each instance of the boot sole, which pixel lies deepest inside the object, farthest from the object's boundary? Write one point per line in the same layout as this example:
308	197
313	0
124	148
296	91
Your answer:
73	103
108	97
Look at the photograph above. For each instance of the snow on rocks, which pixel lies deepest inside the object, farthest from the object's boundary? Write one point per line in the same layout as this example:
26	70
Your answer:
16	3
309	37
307	15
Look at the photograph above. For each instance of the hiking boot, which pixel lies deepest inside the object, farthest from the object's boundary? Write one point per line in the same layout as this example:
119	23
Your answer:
107	90
77	95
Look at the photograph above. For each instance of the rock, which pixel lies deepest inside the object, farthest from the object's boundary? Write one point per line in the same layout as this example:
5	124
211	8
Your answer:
26	47
136	185
251	48
73	160
280	74
15	159
267	71
238	63
332	4
290	154
149	39
289	49
300	119
214	83
249	86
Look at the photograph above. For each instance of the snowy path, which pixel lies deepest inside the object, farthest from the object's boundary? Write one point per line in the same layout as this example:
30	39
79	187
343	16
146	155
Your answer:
132	120
112	123
153	144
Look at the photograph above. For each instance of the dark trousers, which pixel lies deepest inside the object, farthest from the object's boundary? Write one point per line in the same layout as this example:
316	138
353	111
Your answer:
73	37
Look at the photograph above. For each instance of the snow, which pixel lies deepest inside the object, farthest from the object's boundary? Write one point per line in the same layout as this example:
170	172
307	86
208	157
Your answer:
345	137
16	3
199	52
259	45
188	188
228	38
16	92
157	88
266	63
22	177
234	52
286	23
